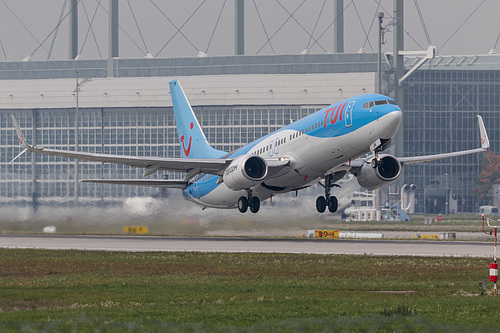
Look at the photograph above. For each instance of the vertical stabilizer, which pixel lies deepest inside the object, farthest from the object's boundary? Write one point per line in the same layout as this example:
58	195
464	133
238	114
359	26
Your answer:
193	142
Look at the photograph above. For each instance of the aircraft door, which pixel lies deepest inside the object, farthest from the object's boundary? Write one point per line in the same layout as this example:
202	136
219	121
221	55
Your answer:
348	114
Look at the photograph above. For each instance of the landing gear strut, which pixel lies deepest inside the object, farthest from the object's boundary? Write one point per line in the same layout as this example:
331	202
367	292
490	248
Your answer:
251	201
328	200
376	161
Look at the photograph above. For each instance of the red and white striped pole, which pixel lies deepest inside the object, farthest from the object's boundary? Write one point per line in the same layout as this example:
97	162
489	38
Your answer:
494	264
494	275
494	267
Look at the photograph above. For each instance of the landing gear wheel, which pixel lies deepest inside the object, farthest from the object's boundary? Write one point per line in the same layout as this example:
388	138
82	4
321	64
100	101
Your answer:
332	204
321	204
243	204
254	204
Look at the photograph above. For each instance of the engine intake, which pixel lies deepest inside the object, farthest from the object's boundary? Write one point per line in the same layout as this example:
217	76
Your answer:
387	171
245	171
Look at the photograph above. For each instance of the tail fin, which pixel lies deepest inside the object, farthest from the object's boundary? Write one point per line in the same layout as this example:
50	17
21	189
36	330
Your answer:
193	142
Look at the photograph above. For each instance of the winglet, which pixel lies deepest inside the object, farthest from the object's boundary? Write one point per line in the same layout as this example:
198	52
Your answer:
485	142
22	140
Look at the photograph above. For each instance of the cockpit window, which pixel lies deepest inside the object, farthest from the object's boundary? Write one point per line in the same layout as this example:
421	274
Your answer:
369	105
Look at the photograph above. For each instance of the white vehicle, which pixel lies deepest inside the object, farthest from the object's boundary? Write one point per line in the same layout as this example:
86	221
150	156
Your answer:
489	210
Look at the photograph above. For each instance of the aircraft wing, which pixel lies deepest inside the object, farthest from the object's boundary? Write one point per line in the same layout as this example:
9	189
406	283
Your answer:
420	159
191	166
355	165
165	183
485	145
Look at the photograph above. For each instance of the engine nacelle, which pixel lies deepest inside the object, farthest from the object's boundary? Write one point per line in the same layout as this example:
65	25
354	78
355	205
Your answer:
386	172
245	172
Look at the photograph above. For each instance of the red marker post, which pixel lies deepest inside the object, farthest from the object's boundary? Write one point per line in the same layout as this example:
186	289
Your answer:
494	272
494	264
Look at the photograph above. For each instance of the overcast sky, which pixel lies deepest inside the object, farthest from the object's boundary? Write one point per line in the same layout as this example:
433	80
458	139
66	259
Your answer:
24	24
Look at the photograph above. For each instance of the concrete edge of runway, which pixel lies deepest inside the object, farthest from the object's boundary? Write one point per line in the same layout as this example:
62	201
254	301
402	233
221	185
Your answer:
122	243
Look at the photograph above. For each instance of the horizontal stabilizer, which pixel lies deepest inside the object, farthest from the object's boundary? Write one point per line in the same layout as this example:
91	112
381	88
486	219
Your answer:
165	183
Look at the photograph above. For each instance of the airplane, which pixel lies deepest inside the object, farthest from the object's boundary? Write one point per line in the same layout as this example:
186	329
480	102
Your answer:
320	148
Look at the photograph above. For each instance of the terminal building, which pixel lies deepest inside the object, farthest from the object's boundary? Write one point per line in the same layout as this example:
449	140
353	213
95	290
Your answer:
123	106
442	100
237	99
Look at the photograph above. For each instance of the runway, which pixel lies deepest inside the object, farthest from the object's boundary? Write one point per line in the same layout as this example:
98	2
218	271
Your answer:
312	246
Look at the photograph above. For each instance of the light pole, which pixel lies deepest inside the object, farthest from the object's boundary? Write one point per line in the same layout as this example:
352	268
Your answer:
77	131
380	16
378	90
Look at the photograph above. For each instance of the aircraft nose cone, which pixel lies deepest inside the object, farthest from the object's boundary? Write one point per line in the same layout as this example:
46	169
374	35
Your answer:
392	121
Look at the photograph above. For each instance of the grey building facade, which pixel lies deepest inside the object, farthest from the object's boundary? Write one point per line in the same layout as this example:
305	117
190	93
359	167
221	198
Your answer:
441	104
237	99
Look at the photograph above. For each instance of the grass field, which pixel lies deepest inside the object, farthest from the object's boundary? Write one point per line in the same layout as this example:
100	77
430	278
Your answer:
61	291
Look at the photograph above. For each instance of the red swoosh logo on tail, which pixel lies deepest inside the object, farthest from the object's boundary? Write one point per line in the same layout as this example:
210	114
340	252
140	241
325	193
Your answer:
188	150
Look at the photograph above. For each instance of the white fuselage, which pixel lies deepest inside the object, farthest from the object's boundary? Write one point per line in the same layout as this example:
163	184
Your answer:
311	157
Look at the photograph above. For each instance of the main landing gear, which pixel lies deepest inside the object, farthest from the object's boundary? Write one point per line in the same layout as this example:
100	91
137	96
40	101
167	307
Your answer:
328	200
251	201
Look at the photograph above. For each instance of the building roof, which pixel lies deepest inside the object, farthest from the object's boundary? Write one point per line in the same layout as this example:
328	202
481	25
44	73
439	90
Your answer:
228	65
202	90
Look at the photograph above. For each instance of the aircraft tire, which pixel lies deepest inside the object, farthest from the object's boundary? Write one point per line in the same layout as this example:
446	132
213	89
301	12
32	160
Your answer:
243	204
254	204
333	204
321	204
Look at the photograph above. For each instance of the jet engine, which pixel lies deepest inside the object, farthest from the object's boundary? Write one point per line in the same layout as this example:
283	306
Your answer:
387	170
245	172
